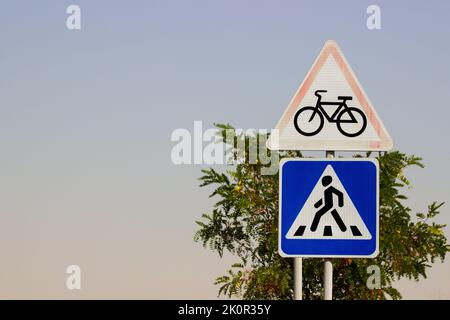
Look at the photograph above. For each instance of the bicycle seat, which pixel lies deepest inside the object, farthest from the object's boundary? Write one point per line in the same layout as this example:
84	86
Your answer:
318	93
345	97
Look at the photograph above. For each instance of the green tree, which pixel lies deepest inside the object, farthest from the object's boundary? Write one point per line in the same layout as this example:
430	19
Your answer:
244	222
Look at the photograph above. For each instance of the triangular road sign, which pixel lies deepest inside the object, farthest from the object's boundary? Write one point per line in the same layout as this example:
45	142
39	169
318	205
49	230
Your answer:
328	213
330	111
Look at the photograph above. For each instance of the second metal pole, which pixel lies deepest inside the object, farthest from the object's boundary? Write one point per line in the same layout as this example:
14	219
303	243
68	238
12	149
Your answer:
328	265
298	278
328	279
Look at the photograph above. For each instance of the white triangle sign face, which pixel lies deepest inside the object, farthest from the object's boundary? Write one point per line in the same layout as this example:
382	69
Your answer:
330	111
329	213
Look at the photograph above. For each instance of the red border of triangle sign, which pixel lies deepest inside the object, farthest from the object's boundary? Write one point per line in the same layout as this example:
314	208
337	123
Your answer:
284	137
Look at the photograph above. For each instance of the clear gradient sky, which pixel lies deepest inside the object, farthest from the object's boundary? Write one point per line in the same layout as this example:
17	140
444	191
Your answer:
86	117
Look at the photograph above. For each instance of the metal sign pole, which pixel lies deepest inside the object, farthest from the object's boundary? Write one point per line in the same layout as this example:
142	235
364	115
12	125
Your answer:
328	279
327	265
298	278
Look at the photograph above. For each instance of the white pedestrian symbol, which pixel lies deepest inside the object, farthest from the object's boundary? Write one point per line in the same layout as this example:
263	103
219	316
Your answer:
321	217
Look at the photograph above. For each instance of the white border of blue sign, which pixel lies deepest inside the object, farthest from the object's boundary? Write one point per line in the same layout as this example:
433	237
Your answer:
374	161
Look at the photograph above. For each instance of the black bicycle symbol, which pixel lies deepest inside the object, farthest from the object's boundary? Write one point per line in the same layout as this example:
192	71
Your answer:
343	115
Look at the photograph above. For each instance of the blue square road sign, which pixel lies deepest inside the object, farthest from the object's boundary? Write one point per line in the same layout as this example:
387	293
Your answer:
329	208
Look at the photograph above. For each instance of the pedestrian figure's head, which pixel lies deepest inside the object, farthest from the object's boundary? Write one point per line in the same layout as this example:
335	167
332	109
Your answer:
326	180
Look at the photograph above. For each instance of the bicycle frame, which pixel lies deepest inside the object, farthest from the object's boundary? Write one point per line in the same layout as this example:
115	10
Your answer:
332	119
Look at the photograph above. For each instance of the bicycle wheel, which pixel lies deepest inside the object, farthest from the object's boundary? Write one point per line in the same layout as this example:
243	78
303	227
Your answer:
305	125
351	129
